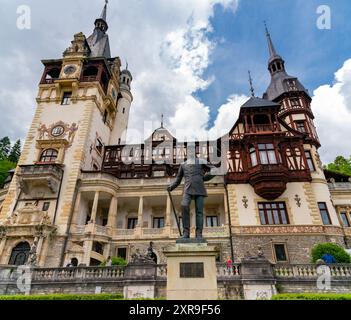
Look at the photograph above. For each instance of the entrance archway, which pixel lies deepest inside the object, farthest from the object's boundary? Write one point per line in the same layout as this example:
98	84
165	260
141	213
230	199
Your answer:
19	254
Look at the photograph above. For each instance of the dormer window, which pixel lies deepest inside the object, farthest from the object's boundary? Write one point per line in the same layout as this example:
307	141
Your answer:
295	102
292	85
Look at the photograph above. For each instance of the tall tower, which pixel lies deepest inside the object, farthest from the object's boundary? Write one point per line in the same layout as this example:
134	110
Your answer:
291	94
296	112
81	107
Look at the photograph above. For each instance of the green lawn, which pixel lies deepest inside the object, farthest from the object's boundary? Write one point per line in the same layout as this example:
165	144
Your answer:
104	296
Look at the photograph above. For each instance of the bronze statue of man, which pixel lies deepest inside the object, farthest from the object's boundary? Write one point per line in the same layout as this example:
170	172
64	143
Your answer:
194	171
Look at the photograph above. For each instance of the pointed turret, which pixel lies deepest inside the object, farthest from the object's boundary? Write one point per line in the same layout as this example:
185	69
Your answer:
281	82
99	41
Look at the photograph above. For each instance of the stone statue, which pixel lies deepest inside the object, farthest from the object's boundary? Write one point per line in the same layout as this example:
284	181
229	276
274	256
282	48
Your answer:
194	173
32	259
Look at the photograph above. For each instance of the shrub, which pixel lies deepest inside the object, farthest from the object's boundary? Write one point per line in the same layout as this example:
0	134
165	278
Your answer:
104	296
116	261
338	252
312	296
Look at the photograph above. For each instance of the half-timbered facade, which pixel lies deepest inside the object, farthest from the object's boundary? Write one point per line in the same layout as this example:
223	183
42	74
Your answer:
84	194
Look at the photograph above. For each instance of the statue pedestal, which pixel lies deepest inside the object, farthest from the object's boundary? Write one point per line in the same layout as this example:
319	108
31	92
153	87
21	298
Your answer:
140	281
191	271
257	279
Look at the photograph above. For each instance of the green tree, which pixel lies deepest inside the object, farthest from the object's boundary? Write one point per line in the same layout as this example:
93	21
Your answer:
5	147
15	152
5	166
340	165
338	252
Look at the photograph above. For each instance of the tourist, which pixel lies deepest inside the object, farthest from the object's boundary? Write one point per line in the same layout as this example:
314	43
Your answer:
328	258
229	264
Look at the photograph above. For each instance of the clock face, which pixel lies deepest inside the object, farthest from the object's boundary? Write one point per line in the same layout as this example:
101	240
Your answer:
70	69
57	131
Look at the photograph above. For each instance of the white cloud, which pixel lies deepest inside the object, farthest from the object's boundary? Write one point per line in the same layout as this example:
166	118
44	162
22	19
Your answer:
166	44
332	108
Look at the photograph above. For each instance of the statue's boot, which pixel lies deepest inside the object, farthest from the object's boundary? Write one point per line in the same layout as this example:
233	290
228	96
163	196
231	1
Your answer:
198	234
186	222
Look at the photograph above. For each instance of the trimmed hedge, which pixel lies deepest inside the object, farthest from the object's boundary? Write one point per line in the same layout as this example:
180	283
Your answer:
104	296
116	261
312	296
338	252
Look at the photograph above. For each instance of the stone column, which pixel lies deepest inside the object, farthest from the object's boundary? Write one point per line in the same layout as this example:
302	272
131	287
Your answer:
2	251
76	208
95	207
112	213
44	252
168	220
88	245
140	217
226	210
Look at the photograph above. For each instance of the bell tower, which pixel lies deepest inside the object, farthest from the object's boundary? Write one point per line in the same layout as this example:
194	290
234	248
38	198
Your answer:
81	106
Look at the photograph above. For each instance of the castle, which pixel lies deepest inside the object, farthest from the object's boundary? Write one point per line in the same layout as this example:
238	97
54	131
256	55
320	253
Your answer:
82	194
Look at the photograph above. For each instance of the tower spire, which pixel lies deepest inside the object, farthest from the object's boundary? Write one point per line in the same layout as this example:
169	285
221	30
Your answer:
271	48
104	11
252	90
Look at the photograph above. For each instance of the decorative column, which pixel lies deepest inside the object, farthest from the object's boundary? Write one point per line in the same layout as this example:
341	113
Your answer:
140	216
88	245
2	243
95	207
44	251
168	222
76	208
226	210
112	213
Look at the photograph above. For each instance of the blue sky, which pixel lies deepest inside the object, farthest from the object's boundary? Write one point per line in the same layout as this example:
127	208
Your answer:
311	54
189	60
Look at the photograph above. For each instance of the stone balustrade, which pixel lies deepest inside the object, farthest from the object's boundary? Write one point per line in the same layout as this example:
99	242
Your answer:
310	271
224	272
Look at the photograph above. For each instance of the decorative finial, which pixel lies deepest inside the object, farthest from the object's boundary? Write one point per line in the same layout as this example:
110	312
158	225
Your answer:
162	120
126	65
271	48
265	25
251	86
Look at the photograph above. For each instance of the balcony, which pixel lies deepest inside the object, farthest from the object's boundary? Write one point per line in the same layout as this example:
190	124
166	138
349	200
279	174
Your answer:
262	128
269	181
47	175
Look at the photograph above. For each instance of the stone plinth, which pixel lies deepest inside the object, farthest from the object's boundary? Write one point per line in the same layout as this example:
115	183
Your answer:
191	272
140	281
257	279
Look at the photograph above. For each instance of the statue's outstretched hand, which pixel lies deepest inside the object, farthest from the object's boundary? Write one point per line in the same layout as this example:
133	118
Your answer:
169	189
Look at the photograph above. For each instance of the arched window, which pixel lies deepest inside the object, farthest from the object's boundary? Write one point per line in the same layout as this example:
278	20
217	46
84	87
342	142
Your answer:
19	254
53	74
49	155
90	71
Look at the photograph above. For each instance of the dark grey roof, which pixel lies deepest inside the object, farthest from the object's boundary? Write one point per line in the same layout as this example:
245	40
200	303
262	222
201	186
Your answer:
259	103
99	44
279	85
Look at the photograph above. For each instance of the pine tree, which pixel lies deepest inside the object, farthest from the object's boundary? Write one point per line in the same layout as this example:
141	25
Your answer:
15	152
5	147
